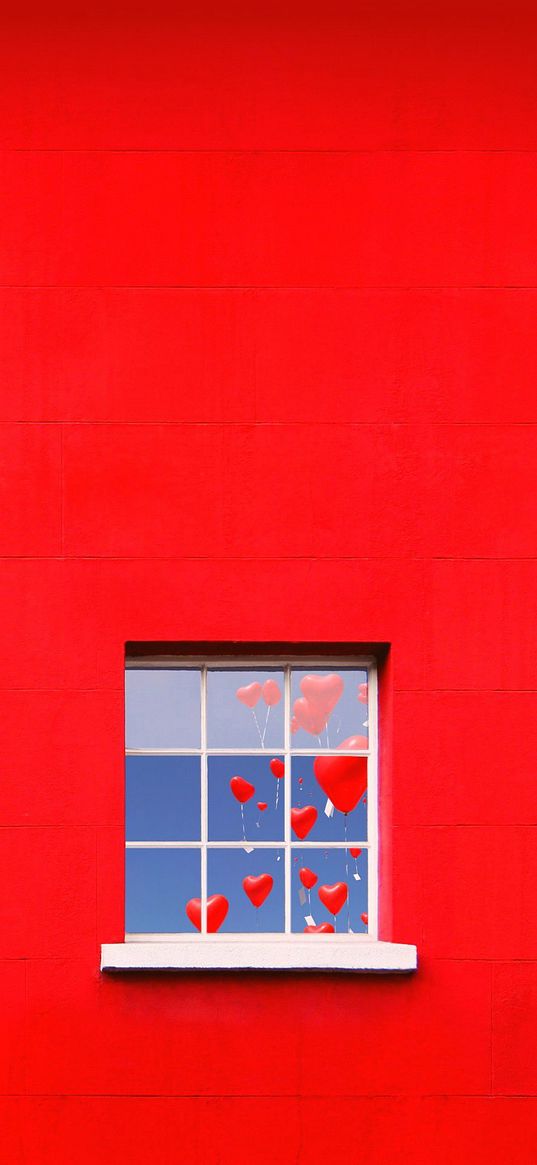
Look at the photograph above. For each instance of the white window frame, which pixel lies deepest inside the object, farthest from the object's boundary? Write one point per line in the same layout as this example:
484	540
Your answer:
287	950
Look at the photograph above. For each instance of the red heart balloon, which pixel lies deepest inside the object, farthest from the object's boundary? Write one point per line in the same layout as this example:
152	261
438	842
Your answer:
193	910
258	888
250	694
322	692
324	928
277	767
271	693
302	820
333	897
312	719
342	778
365	919
262	805
241	789
217	908
355	853
355	743
307	877
362	693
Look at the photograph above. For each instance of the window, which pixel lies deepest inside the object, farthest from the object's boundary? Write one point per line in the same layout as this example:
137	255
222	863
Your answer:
251	814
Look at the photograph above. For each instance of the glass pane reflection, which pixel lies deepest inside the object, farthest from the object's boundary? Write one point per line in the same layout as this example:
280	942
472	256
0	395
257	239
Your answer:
245	709
335	871
235	811
158	885
163	795
315	815
258	906
162	708
329	708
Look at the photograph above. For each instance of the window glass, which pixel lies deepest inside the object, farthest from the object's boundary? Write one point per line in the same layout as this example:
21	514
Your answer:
329	708
163	798
230	803
253	884
158	885
329	887
245	799
329	798
162	708
245	709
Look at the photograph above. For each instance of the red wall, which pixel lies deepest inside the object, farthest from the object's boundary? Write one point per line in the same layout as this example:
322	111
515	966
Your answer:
268	318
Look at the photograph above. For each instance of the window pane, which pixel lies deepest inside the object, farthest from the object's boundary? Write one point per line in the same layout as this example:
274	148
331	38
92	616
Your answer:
226	871
235	812
328	709
322	788
342	880
162	707
159	883
245	709
163	798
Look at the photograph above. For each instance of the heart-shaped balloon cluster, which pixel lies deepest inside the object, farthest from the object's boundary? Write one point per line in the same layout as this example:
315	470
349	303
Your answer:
250	694
313	709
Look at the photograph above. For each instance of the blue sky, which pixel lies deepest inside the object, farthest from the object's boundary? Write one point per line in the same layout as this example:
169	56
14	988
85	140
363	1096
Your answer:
163	800
158	883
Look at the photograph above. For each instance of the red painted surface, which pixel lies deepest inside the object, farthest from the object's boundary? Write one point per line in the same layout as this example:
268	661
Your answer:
267	335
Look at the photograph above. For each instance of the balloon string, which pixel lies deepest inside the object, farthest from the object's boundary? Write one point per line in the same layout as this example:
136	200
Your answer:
258	728
327	736
242	819
265	728
347	877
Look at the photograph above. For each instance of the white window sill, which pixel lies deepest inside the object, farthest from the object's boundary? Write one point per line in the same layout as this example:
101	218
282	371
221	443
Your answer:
259	952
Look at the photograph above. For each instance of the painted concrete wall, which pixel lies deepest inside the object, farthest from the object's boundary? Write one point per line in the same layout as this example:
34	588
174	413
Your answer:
268	303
